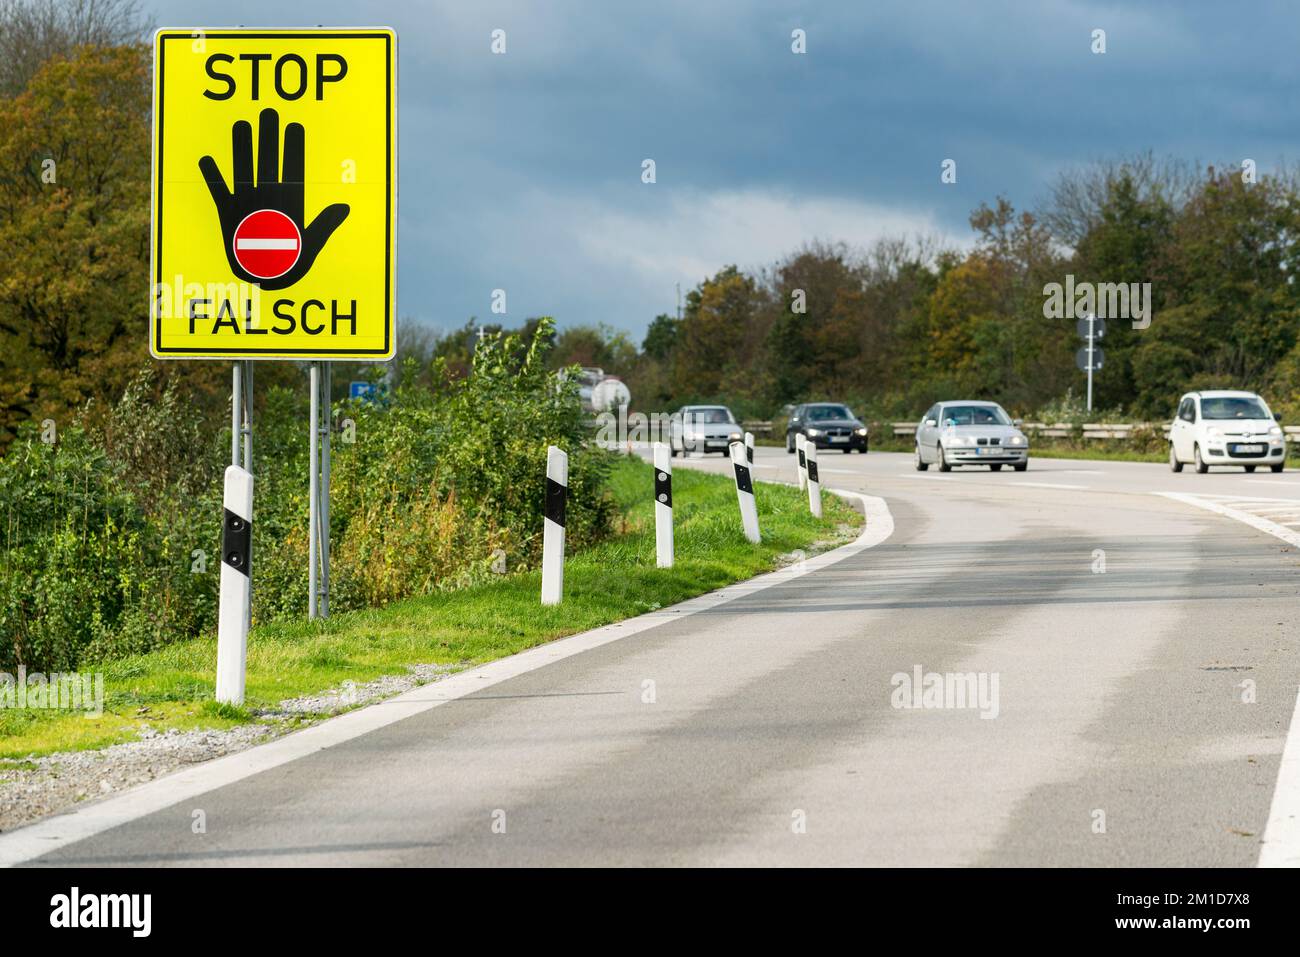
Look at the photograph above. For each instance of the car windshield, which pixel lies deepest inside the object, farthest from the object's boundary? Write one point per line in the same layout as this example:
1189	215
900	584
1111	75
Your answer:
710	416
1233	407
974	415
826	413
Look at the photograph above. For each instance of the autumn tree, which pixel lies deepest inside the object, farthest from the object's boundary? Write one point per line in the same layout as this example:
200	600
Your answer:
74	208
813	335
719	339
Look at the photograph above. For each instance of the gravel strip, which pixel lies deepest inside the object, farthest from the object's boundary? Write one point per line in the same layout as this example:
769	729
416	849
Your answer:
31	788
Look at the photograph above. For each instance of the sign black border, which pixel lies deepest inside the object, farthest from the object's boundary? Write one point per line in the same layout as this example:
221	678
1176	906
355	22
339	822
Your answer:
389	319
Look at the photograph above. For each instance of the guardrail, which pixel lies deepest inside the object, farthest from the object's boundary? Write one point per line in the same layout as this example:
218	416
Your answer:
1089	430
758	428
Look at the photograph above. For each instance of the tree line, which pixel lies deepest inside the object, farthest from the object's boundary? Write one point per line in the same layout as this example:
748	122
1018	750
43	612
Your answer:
908	321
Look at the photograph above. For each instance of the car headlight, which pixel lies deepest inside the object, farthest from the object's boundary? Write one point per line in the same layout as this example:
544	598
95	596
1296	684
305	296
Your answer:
1276	430
813	433
861	431
735	437
958	440
1214	433
1016	440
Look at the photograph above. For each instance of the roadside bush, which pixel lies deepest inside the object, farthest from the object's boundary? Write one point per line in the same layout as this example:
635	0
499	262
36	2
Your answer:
110	543
499	422
445	487
83	572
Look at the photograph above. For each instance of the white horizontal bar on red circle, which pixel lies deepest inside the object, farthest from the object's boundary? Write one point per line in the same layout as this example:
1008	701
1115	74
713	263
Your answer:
266	244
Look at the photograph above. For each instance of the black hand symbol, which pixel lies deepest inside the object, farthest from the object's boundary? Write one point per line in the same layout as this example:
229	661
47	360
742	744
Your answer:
271	191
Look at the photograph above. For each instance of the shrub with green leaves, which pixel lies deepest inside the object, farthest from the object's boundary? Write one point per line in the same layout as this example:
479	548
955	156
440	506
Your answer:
84	571
111	540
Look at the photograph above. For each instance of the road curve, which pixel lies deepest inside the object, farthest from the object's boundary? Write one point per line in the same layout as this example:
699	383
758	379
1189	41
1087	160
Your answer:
1143	653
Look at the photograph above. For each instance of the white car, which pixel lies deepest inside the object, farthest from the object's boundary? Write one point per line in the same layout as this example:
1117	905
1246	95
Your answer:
1223	427
703	428
970	433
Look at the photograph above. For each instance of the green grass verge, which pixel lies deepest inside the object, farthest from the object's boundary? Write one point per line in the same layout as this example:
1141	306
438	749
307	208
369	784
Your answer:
173	686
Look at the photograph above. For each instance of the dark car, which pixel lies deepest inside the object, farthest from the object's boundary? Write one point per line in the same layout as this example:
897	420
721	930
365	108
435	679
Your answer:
829	425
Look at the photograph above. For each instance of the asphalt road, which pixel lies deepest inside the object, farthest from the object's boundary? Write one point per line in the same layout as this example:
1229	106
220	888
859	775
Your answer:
1118	734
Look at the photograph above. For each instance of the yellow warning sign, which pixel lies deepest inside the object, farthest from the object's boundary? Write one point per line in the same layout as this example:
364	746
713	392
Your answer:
274	230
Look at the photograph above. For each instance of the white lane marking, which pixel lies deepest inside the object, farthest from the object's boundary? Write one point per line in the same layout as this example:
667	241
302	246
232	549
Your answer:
1080	488
1282	833
1249	518
1228	499
1281	844
61	830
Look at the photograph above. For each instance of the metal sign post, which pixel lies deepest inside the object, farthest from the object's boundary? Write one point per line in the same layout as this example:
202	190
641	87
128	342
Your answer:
318	492
313	491
236	410
1091	356
246	427
327	421
1091	339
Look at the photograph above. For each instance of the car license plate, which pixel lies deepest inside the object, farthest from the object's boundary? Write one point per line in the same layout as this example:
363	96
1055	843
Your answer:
839	438
1248	449
989	450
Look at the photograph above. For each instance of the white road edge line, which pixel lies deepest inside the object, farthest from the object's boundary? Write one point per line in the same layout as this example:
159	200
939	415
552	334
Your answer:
60	830
1281	844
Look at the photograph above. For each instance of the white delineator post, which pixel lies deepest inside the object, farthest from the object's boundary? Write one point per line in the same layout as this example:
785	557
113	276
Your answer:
745	492
814	483
749	447
236	585
663	506
557	492
800	446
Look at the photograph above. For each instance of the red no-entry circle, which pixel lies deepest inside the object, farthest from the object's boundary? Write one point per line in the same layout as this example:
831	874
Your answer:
267	243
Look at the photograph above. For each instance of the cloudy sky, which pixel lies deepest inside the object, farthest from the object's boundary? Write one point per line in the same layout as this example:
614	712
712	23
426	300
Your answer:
523	171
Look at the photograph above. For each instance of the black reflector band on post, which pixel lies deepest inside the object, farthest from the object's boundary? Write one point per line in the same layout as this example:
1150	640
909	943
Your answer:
803	459
555	497
663	488
236	542
742	479
812	471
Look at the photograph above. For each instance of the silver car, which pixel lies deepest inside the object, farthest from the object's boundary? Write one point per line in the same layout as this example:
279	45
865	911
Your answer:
970	433
703	428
